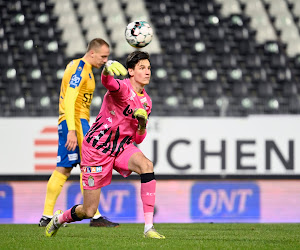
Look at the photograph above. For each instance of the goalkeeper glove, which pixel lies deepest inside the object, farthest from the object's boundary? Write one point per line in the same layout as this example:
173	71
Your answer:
113	67
142	116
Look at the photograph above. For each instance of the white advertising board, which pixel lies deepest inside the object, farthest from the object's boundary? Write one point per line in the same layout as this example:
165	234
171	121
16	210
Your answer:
258	145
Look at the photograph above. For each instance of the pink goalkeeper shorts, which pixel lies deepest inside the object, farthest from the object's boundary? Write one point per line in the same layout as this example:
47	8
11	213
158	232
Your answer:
94	177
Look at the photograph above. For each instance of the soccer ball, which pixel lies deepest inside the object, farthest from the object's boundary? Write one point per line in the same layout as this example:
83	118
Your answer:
138	34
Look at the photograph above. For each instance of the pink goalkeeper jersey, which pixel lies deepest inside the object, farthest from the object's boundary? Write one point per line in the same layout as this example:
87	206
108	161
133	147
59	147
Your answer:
115	127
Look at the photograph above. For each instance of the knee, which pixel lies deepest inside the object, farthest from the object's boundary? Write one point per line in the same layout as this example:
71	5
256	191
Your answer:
68	174
64	171
146	167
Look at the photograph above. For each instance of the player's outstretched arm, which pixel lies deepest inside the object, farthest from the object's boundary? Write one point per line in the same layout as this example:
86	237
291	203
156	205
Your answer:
107	79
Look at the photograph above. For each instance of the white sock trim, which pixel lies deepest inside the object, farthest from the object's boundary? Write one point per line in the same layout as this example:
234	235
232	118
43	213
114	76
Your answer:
97	216
147	227
48	216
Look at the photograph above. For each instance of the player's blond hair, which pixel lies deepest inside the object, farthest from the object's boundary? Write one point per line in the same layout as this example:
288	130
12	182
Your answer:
96	43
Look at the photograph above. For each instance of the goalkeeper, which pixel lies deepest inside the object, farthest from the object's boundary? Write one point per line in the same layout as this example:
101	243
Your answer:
108	145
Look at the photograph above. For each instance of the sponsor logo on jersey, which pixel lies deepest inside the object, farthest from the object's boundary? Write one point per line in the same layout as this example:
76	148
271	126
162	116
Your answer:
75	80
87	99
92	169
128	111
76	77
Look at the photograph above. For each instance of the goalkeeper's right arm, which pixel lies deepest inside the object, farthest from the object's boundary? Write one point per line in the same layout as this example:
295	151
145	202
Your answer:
111	68
114	68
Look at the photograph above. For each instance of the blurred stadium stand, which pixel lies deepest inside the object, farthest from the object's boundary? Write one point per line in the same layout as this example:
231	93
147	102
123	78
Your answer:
209	58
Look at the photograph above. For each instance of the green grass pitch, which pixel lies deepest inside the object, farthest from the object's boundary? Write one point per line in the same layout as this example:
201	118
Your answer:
178	236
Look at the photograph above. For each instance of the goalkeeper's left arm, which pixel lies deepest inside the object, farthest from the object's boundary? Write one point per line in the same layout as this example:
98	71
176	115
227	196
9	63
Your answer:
142	117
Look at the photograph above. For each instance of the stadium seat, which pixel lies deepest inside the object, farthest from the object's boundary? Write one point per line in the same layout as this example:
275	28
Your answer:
191	90
294	104
204	60
265	90
240	89
289	90
253	61
214	89
245	53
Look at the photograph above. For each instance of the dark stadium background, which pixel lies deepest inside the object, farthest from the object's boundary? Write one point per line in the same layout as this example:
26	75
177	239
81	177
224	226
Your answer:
210	59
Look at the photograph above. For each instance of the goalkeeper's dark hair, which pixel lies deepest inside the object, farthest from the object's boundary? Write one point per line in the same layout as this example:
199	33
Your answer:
96	43
134	57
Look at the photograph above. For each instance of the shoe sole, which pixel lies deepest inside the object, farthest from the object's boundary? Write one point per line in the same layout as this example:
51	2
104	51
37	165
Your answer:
154	238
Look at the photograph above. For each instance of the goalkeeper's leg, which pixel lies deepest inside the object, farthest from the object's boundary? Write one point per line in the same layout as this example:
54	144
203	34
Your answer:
97	214
76	213
148	187
98	220
132	159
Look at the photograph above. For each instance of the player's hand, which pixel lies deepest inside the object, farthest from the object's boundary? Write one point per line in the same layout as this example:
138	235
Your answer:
71	140
114	68
142	117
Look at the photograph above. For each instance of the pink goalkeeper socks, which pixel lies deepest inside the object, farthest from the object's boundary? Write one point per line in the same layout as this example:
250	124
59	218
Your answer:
148	199
65	217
